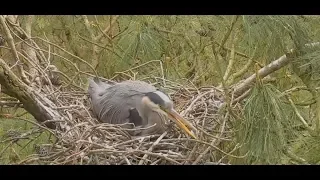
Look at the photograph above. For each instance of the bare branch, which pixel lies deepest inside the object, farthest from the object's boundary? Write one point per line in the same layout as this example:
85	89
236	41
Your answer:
263	72
94	57
151	148
74	56
9	103
230	65
188	40
30	51
270	68
104	47
225	38
241	71
114	20
17	89
87	25
13	49
311	131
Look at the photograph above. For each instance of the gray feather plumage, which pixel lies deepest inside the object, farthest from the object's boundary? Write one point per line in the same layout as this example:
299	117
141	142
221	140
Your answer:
111	102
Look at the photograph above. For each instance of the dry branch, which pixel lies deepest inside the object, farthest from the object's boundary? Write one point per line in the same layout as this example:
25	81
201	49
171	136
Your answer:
29	51
107	29
94	56
270	68
242	71
275	65
230	64
14	87
9	103
9	39
311	131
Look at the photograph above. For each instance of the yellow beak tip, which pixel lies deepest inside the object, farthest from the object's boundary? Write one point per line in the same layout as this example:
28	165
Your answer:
182	124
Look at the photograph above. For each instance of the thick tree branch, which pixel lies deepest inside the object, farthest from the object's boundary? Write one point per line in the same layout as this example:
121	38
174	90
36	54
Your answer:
19	90
270	68
263	72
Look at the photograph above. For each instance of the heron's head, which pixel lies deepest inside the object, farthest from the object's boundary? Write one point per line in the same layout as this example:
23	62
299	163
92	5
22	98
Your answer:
161	103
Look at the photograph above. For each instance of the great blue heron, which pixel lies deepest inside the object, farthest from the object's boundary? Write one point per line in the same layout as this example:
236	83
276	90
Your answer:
135	102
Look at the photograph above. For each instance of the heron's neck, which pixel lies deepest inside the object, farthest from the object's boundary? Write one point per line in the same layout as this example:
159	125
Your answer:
146	112
149	116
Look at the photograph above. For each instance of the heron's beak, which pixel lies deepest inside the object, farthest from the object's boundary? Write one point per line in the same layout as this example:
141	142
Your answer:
181	122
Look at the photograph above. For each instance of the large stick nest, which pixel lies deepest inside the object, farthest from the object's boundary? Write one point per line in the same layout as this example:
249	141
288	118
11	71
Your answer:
81	139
